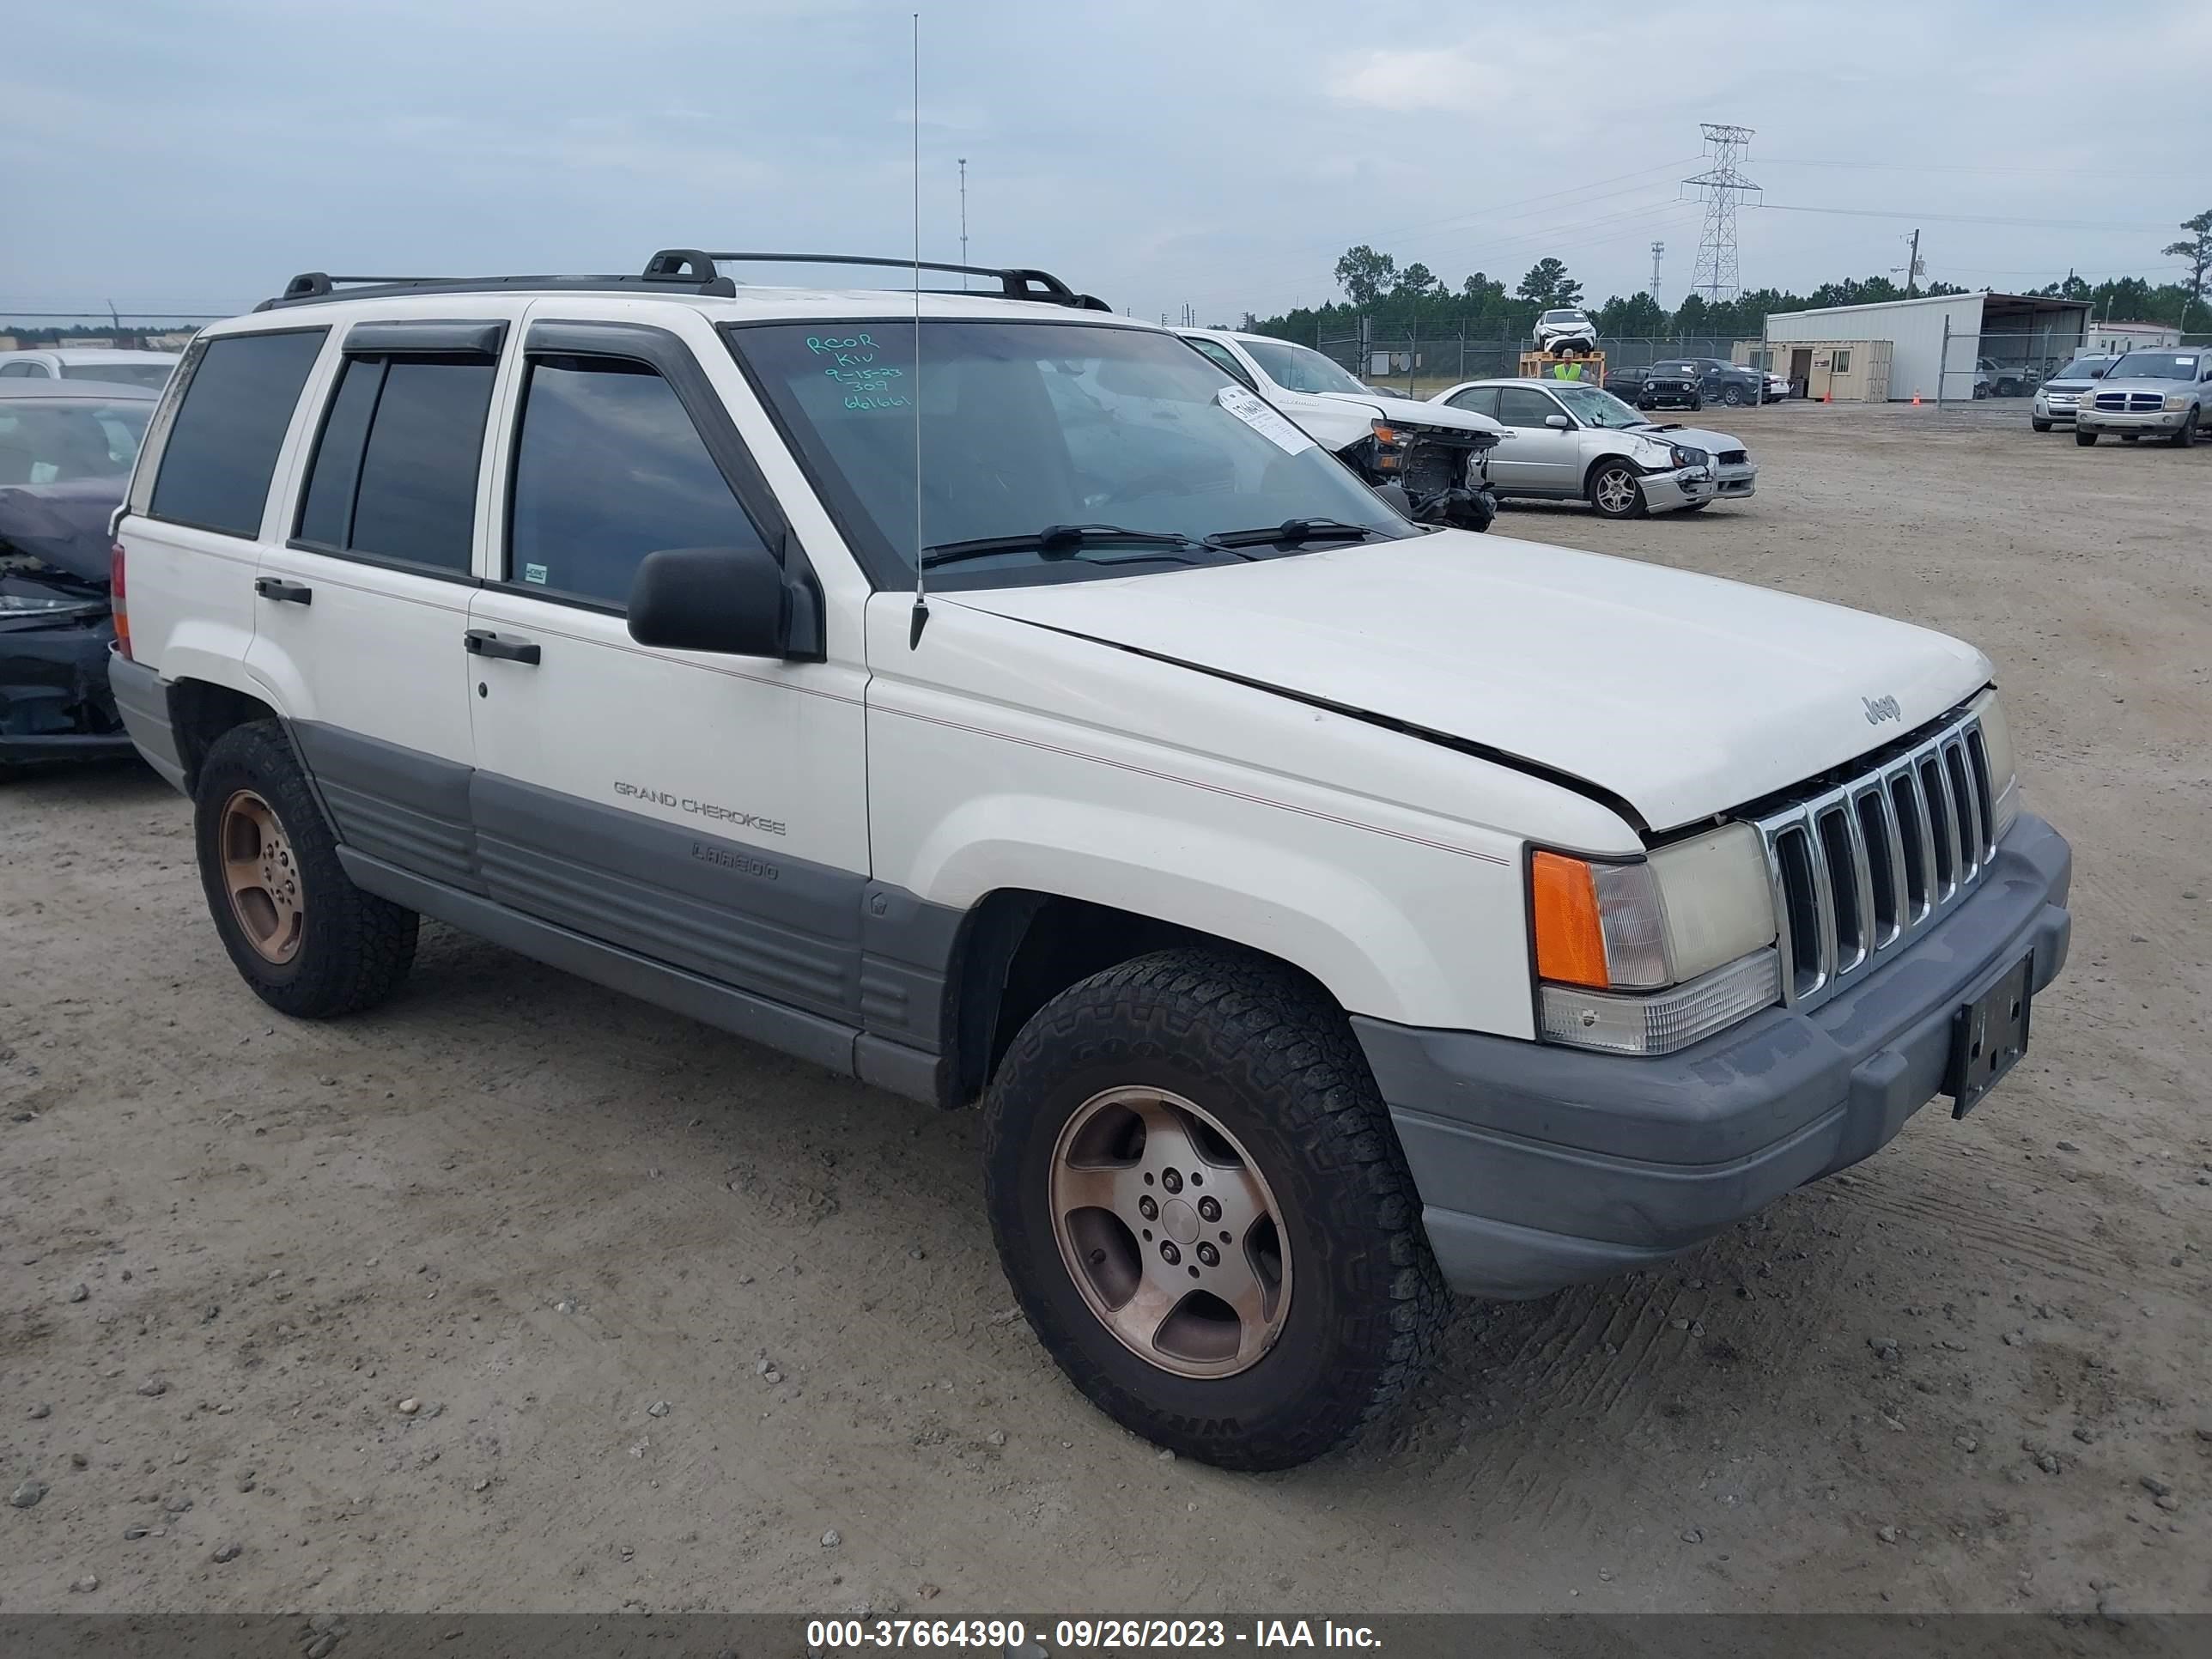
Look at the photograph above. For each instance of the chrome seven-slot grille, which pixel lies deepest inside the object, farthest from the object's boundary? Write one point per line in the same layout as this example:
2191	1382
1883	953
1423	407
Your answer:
1862	868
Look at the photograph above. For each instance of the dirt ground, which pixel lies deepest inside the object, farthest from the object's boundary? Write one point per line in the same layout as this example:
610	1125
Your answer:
570	1228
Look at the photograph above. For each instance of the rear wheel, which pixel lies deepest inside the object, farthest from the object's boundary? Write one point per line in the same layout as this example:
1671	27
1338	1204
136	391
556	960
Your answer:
1196	1193
1616	491
308	940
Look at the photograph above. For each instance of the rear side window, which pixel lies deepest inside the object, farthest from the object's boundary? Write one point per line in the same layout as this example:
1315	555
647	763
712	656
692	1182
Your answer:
609	468
394	476
222	444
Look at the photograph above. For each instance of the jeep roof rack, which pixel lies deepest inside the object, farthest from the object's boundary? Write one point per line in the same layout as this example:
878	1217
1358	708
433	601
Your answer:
313	287
1015	282
673	270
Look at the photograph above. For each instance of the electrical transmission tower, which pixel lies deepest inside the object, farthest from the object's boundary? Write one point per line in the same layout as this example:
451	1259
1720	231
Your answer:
1657	248
1720	187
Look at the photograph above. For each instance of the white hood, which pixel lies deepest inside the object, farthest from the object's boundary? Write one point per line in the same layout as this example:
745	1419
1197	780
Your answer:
1682	693
1414	412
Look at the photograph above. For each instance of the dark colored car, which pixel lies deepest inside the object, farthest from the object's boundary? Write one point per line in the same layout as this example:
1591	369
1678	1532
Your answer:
1661	385
1718	380
66	449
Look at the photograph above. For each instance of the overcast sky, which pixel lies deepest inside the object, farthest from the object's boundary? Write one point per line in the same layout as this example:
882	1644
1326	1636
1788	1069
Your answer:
192	153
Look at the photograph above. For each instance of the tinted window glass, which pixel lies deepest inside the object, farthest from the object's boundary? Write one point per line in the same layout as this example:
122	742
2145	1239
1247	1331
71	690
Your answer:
326	517
1518	406
417	499
1480	399
609	468
394	475
222	444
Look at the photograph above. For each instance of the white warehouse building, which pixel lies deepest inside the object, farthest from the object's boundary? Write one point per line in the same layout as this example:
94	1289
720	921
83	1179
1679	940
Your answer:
1940	343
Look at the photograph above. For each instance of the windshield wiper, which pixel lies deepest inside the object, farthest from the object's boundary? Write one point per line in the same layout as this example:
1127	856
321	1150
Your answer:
1054	541
1291	532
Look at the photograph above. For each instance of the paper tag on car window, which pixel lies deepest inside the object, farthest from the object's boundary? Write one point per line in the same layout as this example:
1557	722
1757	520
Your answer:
1262	419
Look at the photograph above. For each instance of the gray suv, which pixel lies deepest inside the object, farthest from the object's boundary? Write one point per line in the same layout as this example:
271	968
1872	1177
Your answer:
2163	393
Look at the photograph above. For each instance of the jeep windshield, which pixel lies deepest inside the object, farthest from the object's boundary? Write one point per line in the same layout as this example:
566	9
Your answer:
1050	451
2155	366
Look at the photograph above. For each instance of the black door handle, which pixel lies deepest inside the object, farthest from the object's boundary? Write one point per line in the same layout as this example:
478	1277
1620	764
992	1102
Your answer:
283	593
483	642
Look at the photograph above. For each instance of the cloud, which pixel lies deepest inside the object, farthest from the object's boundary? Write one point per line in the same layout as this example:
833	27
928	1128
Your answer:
1430	77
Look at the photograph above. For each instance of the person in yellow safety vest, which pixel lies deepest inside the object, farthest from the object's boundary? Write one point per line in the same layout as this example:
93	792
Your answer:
1569	370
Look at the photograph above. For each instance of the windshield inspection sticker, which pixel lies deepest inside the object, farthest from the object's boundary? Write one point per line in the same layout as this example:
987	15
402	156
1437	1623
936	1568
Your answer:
1247	407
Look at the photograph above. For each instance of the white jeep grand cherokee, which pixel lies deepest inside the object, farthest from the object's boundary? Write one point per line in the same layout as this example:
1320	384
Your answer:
1327	913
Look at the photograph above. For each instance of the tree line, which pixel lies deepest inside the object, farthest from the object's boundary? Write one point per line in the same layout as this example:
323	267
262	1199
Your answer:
1396	299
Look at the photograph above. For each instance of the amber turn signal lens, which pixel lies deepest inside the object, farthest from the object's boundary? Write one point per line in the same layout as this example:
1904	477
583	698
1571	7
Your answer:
1569	936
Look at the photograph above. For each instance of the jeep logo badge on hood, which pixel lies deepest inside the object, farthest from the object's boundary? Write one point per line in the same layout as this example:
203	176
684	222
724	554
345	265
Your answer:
1879	709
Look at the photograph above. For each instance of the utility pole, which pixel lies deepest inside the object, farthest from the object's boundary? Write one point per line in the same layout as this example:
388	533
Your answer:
963	221
1657	248
1720	187
1913	268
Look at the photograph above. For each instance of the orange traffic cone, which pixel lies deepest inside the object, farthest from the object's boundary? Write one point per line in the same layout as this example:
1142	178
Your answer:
1916	399
1827	397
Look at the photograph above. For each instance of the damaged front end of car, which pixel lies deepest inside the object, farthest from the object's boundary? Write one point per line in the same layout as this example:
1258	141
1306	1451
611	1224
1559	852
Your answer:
56	625
1439	471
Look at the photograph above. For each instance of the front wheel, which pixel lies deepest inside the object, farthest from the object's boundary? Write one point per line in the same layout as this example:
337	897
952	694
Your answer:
308	940
1733	397
1196	1193
2087	440
2187	435
1616	491
2040	426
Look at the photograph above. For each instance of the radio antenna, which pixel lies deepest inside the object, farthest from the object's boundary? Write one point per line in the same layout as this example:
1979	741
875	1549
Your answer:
920	576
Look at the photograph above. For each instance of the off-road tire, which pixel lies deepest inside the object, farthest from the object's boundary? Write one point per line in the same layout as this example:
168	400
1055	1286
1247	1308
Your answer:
1594	492
354	948
1265	1052
2087	440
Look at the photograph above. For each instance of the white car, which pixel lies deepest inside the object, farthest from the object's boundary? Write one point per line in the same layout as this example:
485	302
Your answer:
1567	441
1566	330
113	365
1382	436
1326	912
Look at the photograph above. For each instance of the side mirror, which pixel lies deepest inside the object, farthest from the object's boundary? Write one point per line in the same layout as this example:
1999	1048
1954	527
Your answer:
1558	422
737	601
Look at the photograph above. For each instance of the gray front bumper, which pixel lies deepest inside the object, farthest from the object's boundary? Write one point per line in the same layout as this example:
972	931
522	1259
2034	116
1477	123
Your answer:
2113	420
1539	1166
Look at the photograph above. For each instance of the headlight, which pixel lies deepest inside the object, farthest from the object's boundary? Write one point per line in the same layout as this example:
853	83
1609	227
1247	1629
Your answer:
1651	956
1682	455
27	605
1997	748
2178	401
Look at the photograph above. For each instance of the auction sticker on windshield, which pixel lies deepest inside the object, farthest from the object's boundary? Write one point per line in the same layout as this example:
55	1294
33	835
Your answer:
1263	420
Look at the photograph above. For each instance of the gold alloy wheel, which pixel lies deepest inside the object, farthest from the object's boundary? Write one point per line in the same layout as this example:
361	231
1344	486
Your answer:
1171	1232
262	876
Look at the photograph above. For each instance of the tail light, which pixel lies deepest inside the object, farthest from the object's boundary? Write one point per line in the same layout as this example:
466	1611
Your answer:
117	601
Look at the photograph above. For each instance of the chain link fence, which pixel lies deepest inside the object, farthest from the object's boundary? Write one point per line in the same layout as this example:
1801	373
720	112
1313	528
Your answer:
1414	358
129	330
